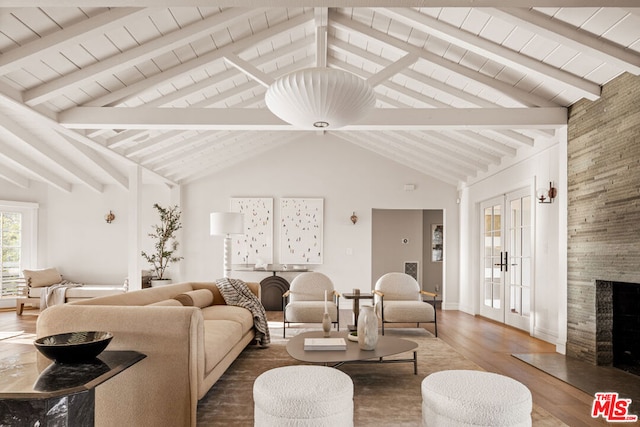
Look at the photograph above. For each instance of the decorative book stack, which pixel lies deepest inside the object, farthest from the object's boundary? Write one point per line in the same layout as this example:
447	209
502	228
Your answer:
325	344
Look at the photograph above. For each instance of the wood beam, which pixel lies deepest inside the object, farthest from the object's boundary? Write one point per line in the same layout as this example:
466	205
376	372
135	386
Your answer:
26	163
318	3
263	119
46	150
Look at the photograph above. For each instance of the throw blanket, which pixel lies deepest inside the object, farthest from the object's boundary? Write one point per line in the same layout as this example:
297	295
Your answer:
55	294
236	292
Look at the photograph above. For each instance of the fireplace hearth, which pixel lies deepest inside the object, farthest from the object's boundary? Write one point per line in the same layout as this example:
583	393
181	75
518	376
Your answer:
618	325
626	326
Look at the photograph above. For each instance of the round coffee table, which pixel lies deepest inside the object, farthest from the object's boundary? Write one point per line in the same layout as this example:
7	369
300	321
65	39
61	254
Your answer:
387	346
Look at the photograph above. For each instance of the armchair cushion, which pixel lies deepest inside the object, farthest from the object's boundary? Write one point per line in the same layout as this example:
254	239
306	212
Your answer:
406	311
310	311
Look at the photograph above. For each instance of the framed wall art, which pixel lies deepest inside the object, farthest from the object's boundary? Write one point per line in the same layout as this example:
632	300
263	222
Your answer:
301	229
437	242
256	244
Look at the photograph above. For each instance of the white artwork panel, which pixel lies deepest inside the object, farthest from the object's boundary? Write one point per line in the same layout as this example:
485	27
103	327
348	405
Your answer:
256	245
301	228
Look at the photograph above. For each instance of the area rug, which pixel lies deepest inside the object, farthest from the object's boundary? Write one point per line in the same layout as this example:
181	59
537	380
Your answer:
384	395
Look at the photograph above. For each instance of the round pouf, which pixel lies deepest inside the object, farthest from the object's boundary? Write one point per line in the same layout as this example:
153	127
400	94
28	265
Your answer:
303	395
463	398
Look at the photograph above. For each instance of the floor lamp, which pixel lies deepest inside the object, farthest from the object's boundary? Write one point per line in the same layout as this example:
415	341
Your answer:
225	224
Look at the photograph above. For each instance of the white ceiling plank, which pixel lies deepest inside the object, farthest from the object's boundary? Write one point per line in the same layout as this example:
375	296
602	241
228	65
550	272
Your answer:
424	150
491	144
215	164
147	145
14	177
196	64
137	55
249	70
393	69
252	118
516	94
48	151
580	40
67	37
99	162
405	160
491	50
180	147
218	142
465	146
26	163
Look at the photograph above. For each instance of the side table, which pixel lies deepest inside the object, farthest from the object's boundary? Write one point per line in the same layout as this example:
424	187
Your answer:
36	391
356	297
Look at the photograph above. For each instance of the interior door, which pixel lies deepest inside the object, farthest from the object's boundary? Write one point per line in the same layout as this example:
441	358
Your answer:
507	259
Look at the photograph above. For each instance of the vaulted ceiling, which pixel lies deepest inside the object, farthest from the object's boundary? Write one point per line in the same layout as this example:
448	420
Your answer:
88	91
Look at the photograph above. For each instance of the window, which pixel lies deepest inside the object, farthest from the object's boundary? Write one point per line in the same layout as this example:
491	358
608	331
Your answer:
18	225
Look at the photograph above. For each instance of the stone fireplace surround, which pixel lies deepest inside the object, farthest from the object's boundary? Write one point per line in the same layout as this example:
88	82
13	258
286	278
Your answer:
603	218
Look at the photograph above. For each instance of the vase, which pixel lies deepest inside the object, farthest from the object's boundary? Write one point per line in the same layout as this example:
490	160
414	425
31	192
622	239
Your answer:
160	282
326	325
367	328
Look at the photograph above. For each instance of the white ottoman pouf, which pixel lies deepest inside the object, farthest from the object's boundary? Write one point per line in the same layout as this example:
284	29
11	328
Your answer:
303	395
464	398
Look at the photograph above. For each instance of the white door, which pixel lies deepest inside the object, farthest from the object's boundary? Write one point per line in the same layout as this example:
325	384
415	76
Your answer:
506	259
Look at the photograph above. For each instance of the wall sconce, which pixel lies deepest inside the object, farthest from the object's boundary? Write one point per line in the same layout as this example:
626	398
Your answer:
354	218
547	196
109	217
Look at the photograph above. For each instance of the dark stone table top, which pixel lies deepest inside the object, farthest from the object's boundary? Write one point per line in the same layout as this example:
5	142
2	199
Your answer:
32	376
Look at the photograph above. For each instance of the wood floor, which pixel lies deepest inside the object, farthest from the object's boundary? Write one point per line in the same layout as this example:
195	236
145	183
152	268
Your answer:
486	343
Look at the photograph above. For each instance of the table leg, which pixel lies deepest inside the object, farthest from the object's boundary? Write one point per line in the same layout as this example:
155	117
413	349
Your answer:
356	311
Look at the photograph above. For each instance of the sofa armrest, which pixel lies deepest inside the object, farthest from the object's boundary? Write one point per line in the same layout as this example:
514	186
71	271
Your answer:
162	389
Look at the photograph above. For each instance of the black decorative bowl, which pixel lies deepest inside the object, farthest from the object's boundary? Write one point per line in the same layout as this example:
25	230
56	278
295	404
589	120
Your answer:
73	347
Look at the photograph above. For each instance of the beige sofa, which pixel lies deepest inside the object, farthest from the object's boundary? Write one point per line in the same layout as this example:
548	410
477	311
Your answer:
188	348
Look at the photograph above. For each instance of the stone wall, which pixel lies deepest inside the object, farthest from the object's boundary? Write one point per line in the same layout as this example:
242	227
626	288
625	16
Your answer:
604	204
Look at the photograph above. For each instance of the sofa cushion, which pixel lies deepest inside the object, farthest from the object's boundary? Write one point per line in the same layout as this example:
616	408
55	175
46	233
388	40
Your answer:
44	277
168	303
219	338
198	298
229	312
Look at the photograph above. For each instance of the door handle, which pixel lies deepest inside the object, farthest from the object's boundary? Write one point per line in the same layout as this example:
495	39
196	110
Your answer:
503	263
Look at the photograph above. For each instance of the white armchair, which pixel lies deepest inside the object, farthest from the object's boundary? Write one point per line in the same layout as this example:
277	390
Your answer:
304	301
398	299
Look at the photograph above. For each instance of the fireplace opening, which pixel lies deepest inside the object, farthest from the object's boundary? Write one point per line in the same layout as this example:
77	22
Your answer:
272	288
626	327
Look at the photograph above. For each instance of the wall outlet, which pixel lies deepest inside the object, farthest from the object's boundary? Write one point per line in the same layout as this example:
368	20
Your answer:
437	288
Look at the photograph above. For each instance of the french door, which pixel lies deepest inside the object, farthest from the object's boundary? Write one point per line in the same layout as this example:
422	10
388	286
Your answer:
505	294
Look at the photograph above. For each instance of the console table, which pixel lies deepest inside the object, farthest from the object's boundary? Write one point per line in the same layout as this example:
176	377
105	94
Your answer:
36	391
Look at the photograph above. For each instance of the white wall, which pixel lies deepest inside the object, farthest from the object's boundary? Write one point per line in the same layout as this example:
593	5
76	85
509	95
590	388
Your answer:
73	235
549	298
348	178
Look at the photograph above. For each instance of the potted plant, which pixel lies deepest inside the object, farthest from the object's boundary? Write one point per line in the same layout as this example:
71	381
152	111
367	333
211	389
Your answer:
165	245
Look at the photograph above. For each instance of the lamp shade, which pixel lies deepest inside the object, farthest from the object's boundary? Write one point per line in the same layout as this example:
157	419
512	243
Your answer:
223	223
324	98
